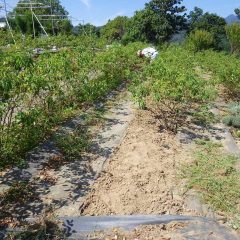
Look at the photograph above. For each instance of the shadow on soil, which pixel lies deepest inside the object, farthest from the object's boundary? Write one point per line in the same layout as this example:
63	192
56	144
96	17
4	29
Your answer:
51	181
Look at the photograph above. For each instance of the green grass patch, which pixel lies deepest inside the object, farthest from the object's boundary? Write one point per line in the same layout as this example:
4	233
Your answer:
214	175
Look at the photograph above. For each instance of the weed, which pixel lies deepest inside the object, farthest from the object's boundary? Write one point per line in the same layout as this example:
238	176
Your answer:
46	228
214	175
203	115
233	119
73	143
20	191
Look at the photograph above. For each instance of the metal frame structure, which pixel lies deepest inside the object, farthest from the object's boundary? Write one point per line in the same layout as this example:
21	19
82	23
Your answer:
6	19
39	17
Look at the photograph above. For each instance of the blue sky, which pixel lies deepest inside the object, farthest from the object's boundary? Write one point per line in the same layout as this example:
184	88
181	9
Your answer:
99	11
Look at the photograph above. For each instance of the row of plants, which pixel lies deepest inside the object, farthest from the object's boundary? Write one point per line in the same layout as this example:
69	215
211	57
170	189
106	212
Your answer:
37	93
180	80
225	68
171	85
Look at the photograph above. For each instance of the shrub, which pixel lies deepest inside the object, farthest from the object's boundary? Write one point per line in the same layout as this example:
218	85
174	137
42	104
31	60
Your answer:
200	40
224	68
234	118
233	34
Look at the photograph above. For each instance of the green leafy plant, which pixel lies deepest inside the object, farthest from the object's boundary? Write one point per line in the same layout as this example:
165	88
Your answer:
203	115
168	87
233	34
72	144
199	40
38	93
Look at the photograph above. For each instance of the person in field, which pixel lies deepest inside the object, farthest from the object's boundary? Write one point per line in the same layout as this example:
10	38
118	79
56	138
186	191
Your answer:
149	52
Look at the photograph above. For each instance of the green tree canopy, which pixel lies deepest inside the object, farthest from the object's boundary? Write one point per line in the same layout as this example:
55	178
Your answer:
237	11
115	29
87	29
194	17
208	22
157	22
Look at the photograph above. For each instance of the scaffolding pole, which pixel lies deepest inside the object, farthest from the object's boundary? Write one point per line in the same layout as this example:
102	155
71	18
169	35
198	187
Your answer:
40	24
6	17
35	5
33	24
53	30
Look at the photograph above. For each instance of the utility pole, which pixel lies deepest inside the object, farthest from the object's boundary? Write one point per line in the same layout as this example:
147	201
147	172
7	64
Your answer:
6	17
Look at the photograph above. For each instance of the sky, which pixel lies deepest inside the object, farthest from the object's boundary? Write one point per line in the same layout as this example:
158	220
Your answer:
98	12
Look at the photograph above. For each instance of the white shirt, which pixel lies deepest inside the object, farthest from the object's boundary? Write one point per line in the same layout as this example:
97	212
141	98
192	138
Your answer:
150	52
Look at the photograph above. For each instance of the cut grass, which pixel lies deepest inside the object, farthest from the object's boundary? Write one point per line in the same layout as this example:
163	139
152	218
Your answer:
214	175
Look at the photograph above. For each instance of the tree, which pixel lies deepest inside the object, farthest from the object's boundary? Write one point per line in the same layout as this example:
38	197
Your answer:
87	29
194	17
23	18
233	34
208	22
157	22
115	29
64	26
237	11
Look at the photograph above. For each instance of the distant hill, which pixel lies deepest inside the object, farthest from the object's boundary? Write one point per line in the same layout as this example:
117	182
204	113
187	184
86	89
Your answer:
231	19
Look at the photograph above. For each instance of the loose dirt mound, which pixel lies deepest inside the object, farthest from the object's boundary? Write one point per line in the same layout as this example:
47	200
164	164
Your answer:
142	177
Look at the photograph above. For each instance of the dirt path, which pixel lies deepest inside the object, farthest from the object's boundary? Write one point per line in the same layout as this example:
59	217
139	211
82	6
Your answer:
142	181
137	168
142	177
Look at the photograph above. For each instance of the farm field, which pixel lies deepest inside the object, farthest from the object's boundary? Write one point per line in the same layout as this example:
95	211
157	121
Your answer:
157	167
99	140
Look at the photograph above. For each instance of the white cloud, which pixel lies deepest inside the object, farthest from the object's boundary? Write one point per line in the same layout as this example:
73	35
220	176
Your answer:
86	3
116	15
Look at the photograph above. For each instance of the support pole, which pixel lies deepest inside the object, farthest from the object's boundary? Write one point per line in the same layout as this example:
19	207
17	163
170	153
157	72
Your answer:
6	17
33	24
40	24
53	31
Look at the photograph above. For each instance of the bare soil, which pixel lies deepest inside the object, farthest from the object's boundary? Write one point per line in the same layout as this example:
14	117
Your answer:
156	232
142	177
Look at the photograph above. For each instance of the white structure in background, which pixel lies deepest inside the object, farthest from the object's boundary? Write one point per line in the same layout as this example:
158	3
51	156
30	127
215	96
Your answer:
3	25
